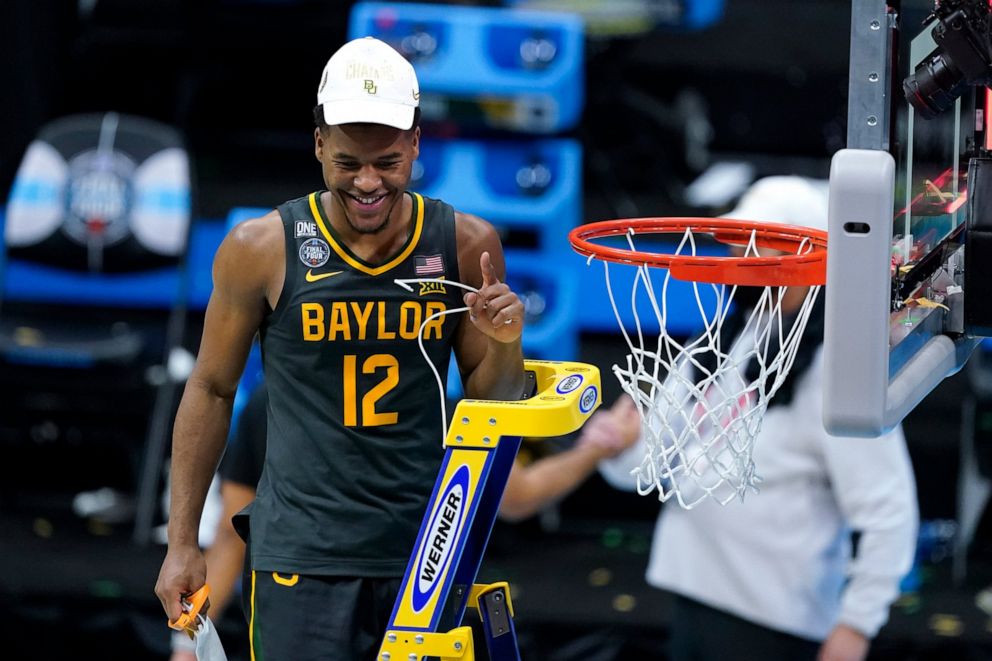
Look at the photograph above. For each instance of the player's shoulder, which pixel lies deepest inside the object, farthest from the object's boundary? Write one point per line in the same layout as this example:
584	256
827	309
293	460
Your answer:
475	236
473	230
257	234
251	248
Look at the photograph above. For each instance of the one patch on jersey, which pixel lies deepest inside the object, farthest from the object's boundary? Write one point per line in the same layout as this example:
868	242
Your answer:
305	228
425	265
432	288
314	252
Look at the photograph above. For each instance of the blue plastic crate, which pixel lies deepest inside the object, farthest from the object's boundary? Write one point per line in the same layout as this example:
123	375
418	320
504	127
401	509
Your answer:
240	214
612	17
520	187
550	292
596	313
502	68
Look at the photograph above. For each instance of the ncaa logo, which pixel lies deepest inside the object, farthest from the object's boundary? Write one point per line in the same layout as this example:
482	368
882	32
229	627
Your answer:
99	198
314	252
568	384
588	399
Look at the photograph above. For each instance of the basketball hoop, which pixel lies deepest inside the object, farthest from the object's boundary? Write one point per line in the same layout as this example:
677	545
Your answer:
702	402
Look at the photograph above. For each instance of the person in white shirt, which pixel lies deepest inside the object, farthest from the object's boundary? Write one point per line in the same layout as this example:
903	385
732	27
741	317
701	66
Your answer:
775	576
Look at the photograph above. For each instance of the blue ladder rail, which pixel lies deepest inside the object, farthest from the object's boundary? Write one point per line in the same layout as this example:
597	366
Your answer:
481	445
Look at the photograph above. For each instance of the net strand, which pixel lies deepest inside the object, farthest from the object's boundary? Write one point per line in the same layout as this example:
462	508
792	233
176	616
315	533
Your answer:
700	411
442	395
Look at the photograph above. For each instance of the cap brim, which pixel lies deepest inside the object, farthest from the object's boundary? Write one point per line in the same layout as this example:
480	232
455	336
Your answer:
371	112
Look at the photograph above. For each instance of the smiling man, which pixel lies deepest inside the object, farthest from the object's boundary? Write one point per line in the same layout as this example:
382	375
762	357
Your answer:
354	444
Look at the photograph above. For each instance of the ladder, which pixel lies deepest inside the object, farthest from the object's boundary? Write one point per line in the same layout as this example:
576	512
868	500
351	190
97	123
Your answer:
480	446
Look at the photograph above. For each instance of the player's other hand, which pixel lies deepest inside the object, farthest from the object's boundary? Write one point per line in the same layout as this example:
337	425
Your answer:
614	430
183	649
844	644
495	309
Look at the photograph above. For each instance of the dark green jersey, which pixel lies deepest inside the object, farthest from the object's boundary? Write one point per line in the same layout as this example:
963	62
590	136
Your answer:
354	418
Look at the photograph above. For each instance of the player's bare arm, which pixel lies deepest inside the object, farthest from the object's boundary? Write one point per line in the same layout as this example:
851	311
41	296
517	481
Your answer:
248	272
488	342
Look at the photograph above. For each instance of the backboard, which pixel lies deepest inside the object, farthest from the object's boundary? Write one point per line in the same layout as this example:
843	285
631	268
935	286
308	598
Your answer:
899	211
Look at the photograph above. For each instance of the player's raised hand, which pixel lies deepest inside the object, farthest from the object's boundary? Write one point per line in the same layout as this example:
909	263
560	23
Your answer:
495	309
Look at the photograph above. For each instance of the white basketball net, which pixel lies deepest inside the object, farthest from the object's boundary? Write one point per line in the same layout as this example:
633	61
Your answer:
700	411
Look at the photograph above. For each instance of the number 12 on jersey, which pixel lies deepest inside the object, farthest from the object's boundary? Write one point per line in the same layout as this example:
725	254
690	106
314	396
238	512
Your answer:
369	416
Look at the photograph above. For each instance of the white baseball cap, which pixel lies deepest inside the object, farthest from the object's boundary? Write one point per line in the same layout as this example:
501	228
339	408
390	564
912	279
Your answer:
366	80
789	200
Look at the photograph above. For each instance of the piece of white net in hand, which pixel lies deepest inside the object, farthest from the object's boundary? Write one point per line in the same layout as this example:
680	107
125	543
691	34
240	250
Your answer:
702	402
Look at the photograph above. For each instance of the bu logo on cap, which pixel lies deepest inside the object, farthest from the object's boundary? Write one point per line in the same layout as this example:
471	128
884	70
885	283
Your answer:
370	86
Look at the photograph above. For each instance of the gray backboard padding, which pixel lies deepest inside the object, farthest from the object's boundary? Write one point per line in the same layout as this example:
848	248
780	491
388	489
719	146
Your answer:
859	399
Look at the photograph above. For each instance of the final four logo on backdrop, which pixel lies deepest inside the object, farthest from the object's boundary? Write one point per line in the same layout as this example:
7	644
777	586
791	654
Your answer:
100	197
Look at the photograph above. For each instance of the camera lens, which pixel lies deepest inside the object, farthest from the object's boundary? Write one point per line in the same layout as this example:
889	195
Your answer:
934	85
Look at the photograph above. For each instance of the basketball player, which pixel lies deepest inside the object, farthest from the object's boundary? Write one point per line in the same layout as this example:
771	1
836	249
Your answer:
354	432
773	577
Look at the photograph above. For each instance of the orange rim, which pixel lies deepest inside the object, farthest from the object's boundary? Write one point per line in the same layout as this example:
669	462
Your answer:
792	269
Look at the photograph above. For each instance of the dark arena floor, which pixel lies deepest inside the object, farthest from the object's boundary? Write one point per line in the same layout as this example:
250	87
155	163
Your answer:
70	591
72	588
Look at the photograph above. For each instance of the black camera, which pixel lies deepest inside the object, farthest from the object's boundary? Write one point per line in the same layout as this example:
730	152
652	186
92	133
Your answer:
963	56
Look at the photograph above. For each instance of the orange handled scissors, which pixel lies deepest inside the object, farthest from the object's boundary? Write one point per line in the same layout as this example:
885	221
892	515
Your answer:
192	605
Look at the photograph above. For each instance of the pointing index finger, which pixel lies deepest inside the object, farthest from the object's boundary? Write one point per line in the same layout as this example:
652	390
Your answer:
489	276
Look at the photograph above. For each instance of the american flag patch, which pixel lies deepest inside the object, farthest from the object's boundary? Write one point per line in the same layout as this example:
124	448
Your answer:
429	265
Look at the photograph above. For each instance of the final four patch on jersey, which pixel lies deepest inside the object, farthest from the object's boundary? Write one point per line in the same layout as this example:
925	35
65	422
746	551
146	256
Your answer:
314	252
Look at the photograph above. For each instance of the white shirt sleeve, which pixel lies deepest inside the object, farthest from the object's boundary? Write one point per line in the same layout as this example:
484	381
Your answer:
872	480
